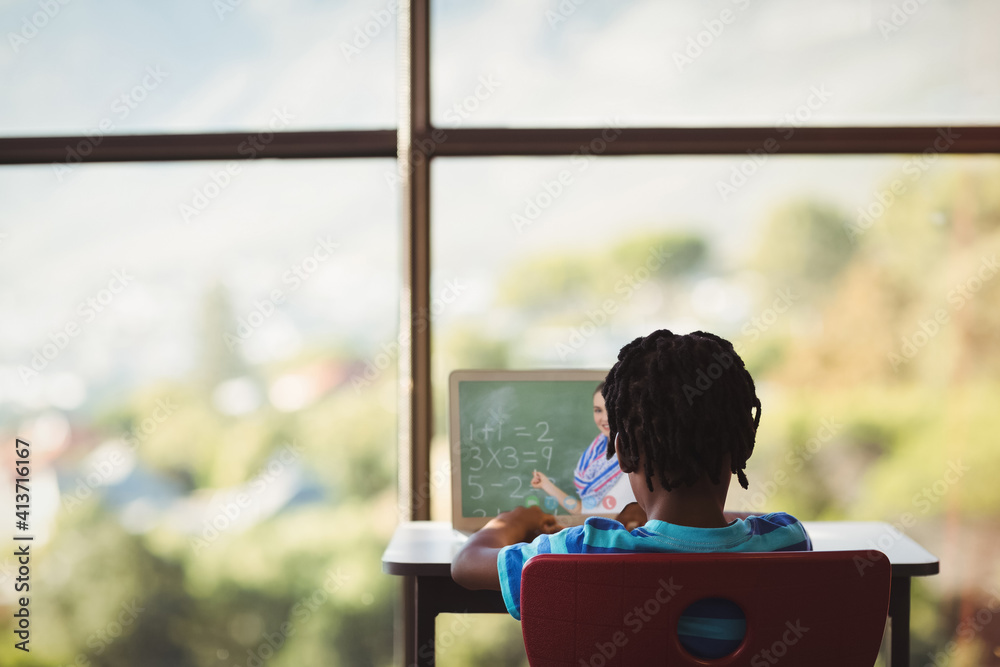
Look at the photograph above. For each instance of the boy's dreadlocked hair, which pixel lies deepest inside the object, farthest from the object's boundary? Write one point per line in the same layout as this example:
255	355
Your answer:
684	403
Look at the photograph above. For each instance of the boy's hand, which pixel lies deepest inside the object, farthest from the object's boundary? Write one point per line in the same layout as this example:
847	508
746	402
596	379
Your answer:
523	524
632	516
475	564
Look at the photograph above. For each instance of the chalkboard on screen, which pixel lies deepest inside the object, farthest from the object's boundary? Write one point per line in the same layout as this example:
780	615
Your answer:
507	424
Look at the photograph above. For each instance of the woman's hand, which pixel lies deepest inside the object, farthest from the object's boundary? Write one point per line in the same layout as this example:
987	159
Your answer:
539	480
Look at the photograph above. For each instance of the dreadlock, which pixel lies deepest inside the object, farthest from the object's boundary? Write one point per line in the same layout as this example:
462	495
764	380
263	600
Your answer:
684	403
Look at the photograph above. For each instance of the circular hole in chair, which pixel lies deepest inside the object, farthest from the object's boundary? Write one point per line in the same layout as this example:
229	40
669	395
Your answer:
711	628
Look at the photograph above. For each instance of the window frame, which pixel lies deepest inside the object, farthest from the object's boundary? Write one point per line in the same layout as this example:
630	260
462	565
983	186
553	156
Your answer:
414	144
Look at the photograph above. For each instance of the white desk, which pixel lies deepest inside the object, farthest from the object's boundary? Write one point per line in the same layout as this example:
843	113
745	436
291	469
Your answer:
421	552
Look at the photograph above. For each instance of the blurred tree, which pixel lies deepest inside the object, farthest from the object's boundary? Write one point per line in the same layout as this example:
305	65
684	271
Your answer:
804	245
106	600
220	357
309	562
554	284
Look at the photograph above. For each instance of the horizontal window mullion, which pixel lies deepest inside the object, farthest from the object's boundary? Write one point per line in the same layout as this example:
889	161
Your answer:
714	141
486	142
223	146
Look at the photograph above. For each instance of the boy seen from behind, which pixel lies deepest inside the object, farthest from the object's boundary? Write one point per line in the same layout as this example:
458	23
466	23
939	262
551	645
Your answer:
683	413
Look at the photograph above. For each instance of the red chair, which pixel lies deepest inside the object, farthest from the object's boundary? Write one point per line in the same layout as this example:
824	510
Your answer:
802	608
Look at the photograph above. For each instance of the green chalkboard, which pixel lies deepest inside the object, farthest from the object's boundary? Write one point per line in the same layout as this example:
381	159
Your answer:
512	424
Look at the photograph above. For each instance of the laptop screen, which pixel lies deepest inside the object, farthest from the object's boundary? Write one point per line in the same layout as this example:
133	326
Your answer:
530	438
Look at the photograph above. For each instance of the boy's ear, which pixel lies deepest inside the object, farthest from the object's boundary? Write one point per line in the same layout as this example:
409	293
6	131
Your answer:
622	461
627	465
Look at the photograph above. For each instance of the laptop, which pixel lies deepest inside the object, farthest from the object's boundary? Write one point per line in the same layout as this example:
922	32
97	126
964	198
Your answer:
529	438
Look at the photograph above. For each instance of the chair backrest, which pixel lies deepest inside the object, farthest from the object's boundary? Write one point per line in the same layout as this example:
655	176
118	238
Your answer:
600	610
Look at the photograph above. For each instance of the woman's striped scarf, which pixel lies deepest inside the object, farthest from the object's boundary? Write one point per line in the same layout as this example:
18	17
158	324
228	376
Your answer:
595	474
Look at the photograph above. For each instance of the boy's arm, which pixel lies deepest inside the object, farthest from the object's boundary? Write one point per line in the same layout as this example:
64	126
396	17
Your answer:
475	565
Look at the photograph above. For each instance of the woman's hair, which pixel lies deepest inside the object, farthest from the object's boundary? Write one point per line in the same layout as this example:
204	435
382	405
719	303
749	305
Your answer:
685	404
600	389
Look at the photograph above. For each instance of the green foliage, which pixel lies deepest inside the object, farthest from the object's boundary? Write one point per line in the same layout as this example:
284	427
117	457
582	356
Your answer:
804	244
565	282
314	567
105	600
349	437
685	253
479	639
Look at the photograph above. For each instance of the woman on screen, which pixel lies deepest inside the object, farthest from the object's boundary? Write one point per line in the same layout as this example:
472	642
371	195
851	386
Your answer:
600	485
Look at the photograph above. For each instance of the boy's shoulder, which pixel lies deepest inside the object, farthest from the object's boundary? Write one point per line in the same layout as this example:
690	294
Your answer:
595	535
774	518
765	523
793	535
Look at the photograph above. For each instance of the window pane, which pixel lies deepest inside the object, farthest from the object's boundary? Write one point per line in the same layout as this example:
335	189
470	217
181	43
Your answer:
723	62
124	67
212	446
862	292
